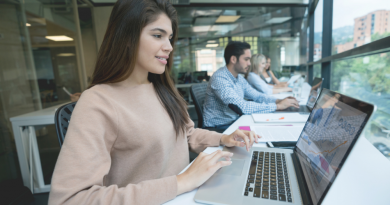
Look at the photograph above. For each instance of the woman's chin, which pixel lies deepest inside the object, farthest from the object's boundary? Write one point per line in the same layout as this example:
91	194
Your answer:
157	71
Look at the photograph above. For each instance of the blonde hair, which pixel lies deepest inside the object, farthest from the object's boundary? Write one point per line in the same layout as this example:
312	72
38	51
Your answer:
255	62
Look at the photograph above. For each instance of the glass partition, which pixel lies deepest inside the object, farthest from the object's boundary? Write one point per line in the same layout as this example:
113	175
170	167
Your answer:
316	71
52	34
39	56
204	32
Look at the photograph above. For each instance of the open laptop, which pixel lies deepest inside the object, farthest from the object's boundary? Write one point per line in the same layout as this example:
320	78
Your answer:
299	176
314	92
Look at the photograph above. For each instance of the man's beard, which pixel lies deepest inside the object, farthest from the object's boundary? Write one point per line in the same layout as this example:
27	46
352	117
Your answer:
238	68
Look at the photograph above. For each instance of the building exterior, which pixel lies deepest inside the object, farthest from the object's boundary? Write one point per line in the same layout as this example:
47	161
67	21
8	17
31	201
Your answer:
376	22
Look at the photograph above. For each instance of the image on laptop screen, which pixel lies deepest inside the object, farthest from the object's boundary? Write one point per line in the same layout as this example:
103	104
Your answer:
327	138
314	92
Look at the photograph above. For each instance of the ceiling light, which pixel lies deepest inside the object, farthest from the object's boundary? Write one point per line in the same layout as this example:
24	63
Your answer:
27	24
59	38
65	54
227	19
278	20
212	45
200	29
211	41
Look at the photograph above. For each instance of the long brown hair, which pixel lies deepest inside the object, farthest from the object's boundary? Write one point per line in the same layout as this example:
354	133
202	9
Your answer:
118	53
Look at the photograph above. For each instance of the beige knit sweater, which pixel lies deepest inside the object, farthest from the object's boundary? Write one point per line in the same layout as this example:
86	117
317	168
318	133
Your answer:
121	148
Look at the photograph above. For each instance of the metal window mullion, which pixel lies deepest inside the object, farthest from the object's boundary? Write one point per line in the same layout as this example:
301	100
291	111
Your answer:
311	45
327	41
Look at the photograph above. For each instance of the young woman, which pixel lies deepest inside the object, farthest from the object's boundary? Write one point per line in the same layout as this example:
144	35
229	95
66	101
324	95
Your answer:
130	132
268	76
258	64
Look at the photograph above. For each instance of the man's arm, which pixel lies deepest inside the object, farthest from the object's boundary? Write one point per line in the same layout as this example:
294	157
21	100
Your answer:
224	90
251	93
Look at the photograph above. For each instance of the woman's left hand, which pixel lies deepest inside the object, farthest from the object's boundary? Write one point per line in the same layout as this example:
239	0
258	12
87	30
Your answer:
240	138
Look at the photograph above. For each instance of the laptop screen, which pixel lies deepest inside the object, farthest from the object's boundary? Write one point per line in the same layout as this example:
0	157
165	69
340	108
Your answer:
314	92
327	138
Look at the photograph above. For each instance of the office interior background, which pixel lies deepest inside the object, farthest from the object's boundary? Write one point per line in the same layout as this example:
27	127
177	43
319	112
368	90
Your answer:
46	45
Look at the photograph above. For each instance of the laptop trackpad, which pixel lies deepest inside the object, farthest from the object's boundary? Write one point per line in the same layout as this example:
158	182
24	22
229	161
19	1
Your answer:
234	169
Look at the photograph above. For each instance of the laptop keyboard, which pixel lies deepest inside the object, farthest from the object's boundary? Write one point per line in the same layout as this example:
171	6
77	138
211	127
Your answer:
268	177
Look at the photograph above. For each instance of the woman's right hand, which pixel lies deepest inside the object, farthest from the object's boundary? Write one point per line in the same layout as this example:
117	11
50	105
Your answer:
203	167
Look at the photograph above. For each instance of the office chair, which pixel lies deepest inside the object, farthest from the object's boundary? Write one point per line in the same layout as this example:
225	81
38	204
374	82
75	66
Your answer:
198	94
61	120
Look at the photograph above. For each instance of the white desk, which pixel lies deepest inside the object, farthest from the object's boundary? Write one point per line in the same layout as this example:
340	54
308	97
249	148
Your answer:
24	127
245	120
304	94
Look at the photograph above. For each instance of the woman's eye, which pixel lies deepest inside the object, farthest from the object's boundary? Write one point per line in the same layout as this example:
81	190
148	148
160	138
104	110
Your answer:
157	36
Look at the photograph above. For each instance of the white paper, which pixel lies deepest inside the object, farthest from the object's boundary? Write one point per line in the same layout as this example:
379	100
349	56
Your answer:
280	117
293	79
277	133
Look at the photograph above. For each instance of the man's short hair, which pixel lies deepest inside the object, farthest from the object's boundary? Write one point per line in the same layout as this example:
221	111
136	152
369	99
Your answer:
235	48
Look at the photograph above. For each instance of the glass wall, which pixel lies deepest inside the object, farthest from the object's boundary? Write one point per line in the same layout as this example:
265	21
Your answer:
317	71
365	74
39	55
204	33
365	22
368	79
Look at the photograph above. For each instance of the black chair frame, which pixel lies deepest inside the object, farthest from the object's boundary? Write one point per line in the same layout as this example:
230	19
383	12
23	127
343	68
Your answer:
61	120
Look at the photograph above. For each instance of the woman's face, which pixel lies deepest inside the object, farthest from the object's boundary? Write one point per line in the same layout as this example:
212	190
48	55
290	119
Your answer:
268	63
262	65
155	45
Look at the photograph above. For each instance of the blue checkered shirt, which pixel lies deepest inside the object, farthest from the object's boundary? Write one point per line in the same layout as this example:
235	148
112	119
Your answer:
224	89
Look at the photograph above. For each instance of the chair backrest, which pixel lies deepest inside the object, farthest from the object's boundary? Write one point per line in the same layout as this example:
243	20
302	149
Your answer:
61	120
198	94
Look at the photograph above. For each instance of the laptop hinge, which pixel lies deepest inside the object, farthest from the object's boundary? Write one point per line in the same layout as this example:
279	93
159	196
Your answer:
305	194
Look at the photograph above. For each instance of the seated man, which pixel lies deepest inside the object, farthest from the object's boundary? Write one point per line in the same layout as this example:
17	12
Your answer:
226	91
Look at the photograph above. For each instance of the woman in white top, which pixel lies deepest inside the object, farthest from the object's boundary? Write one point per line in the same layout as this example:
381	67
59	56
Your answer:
258	64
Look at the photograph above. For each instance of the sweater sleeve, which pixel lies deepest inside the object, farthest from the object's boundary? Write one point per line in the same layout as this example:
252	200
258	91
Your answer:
200	139
85	160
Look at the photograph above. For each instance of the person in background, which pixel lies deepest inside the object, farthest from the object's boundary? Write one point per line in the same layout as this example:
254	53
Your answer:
75	97
258	63
268	76
227	89
130	132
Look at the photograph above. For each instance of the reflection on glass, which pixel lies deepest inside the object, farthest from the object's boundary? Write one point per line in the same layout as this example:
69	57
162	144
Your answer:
368	78
38	57
331	129
304	40
318	16
54	51
49	149
365	22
